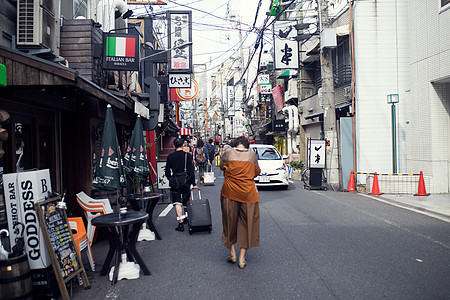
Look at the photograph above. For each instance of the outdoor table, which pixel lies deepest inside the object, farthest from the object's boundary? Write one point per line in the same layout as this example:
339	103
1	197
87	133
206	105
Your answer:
149	201
120	239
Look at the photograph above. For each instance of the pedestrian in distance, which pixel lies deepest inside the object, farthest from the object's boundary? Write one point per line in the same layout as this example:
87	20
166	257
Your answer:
239	200
186	147
201	159
180	163
211	151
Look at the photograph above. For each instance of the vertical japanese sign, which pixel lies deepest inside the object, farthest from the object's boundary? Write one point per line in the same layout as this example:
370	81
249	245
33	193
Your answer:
180	32
286	46
316	151
163	181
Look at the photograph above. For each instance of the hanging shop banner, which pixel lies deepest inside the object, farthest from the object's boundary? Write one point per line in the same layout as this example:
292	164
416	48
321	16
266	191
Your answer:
278	97
185	94
286	46
121	52
180	32
316	154
180	81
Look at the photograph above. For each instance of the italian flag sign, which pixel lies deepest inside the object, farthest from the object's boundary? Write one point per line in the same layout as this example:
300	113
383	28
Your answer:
120	46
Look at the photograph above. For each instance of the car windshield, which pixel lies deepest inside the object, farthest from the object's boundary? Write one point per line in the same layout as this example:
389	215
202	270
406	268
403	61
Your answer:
267	153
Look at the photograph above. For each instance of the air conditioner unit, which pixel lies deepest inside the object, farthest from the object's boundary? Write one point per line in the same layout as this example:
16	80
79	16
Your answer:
37	25
347	93
292	90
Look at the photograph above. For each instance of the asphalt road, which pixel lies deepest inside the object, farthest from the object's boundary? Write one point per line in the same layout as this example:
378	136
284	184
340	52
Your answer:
314	245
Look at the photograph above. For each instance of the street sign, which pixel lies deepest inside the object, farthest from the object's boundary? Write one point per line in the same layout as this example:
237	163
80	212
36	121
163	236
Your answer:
180	81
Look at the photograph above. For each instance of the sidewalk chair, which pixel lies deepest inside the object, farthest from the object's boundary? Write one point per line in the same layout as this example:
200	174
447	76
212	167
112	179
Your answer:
80	238
93	208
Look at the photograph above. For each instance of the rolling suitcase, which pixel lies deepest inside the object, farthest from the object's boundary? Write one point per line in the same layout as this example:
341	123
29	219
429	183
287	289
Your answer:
199	214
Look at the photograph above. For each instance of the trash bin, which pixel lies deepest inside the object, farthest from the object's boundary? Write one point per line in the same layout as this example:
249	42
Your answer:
15	278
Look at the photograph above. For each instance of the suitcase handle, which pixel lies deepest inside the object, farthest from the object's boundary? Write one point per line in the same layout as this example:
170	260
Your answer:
199	195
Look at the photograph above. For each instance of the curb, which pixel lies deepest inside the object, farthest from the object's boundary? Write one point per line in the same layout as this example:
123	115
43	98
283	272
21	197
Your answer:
414	208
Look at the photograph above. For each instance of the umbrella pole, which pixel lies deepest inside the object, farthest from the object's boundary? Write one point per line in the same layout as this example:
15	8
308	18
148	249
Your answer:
150	176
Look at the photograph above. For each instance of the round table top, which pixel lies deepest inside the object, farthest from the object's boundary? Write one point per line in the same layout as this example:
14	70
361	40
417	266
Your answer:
146	196
119	219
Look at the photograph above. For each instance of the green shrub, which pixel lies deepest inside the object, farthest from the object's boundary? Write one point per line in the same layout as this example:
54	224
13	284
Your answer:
297	165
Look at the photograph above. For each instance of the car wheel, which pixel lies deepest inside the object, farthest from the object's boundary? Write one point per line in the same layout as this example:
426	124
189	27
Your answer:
284	187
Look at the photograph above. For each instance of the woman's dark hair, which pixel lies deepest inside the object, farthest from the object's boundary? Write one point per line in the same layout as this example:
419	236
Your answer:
178	142
241	140
200	143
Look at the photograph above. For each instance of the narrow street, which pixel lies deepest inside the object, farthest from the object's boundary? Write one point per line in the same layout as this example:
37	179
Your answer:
314	245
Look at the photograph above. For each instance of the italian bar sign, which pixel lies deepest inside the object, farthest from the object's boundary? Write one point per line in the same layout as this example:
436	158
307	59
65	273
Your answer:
121	52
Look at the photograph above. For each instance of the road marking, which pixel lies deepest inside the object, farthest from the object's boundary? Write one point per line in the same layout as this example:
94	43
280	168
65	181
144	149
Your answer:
166	210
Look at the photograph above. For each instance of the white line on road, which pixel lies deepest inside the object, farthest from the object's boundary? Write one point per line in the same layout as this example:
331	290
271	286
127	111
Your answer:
166	210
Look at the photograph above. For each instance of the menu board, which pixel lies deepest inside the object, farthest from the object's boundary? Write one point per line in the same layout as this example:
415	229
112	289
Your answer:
59	239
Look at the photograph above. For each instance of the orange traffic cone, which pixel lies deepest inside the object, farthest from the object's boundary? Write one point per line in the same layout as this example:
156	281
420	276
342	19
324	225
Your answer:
351	184
375	188
421	191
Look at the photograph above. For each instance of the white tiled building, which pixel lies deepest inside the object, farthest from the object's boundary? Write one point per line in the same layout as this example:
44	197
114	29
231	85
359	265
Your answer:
428	129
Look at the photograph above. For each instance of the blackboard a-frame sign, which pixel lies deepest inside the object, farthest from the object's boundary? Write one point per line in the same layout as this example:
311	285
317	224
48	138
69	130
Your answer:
64	255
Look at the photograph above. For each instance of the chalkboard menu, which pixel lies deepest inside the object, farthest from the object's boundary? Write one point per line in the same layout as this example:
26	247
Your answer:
59	239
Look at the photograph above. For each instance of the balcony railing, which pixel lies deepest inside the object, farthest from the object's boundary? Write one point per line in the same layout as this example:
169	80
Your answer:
342	75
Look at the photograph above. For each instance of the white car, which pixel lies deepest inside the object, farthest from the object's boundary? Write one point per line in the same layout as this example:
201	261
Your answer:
273	169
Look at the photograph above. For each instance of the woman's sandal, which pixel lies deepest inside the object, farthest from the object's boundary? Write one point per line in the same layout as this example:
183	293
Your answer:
242	264
231	259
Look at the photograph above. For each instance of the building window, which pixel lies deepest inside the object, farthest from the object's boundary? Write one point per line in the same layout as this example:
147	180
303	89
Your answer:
342	69
79	8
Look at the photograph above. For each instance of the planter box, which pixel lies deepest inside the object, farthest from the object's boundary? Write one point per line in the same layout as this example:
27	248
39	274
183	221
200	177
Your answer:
296	175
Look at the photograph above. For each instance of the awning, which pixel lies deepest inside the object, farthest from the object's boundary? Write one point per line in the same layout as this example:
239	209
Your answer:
343	30
185	131
288	73
46	73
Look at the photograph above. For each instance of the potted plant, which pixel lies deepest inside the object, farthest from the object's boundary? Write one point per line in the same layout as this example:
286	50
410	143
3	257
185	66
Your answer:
297	168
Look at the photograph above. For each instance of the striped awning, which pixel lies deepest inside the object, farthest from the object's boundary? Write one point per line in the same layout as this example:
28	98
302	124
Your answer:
185	131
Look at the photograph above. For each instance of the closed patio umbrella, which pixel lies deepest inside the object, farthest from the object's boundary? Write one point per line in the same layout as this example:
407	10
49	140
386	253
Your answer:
136	163
109	174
